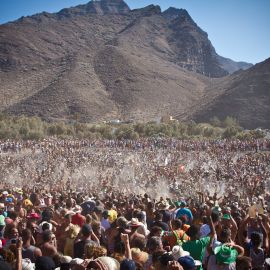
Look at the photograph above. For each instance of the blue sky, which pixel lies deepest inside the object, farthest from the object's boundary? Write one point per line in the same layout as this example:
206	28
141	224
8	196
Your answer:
238	29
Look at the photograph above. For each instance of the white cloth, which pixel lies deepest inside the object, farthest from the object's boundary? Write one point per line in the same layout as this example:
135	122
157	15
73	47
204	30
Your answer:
212	265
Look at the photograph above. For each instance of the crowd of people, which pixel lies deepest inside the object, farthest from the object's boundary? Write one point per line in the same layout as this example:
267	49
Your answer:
144	204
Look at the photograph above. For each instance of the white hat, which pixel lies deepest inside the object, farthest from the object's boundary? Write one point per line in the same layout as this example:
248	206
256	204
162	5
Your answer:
111	263
178	252
65	259
42	223
5	192
27	264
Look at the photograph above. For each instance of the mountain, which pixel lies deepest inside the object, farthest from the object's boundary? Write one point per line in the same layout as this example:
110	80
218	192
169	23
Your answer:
244	95
232	66
100	7
104	61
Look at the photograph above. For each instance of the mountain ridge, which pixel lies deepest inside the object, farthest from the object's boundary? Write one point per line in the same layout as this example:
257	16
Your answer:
104	61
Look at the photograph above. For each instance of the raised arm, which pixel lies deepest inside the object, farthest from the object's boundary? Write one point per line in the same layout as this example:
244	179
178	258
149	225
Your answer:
125	239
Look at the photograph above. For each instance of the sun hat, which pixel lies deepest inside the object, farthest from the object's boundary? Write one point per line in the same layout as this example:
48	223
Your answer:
188	263
225	254
48	195
183	204
65	259
43	223
18	190
111	263
128	265
216	208
5	192
27	202
134	223
164	205
226	216
27	264
33	216
9	200
177	204
177	252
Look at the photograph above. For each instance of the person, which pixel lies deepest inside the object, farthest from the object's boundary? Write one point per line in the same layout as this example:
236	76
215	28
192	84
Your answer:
196	246
111	211
86	238
224	257
158	221
48	248
78	218
177	236
184	211
134	235
45	263
29	251
243	263
154	245
256	252
105	220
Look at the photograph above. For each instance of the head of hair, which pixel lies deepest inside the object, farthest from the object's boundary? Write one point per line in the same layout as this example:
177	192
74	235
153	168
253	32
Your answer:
26	234
225	235
243	263
215	216
155	231
139	243
193	232
256	239
47	236
46	215
12	215
177	224
154	243
158	215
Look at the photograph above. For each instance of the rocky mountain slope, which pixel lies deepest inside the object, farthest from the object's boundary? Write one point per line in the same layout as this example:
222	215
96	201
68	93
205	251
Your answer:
244	95
104	61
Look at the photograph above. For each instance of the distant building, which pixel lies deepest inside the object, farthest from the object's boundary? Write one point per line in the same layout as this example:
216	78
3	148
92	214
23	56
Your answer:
167	119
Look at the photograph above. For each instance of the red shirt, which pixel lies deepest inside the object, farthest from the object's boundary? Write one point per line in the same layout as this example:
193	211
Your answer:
78	219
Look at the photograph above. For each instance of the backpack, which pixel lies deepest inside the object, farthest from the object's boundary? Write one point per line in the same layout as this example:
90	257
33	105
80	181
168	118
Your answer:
179	241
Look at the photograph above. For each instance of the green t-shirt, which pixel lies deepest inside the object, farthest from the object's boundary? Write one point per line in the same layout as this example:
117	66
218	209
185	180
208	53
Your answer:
196	248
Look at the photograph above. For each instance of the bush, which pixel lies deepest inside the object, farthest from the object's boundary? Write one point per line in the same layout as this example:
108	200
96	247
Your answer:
230	132
215	122
12	127
230	122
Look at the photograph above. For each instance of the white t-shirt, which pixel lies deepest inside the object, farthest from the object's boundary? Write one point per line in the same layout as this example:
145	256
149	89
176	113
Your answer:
212	265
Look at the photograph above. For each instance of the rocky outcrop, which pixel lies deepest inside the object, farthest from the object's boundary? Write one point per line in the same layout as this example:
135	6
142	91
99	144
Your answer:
104	61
